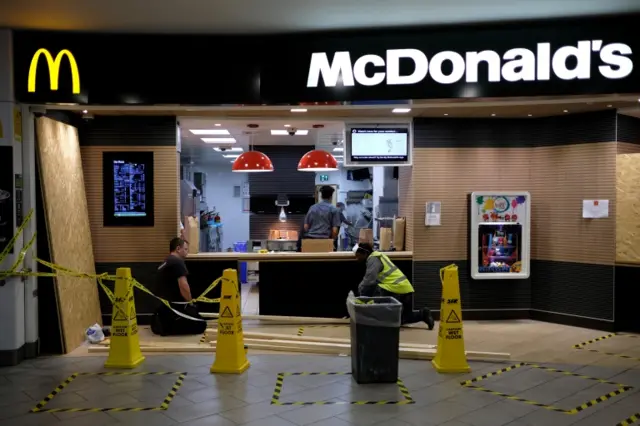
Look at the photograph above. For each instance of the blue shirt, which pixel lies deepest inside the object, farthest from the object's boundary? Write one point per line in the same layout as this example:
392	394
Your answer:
321	218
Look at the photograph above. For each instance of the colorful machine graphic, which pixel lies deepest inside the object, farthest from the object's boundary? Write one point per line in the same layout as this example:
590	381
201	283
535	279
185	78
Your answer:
500	234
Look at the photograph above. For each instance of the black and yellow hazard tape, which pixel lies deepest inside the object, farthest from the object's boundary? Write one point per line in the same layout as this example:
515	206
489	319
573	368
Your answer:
620	388
630	420
583	346
275	399
300	331
40	407
203	339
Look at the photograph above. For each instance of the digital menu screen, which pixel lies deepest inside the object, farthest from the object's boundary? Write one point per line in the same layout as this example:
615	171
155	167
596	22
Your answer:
128	188
384	145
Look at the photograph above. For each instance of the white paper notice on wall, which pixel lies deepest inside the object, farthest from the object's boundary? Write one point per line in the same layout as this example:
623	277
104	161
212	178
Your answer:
432	213
595	209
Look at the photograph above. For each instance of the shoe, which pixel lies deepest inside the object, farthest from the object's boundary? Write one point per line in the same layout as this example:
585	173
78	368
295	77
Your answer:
428	318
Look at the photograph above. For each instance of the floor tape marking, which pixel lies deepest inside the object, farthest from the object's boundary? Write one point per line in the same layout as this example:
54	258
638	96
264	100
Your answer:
275	399
621	388
39	408
630	420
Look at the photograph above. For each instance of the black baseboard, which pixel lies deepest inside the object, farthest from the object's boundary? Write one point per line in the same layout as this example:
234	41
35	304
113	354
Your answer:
574	321
32	349
9	358
488	315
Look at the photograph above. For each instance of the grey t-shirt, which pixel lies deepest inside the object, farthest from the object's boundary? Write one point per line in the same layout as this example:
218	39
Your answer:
320	218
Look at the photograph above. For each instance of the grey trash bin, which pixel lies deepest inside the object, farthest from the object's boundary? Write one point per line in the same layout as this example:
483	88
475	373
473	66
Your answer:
375	338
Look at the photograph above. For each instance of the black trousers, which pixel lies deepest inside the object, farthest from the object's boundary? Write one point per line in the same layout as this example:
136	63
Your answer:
168	323
409	315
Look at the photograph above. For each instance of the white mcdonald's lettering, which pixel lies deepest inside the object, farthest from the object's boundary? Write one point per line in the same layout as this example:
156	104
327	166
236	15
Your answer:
517	64
54	70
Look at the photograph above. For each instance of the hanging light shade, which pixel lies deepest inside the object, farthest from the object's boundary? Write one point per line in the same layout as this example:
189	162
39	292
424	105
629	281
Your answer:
252	162
317	161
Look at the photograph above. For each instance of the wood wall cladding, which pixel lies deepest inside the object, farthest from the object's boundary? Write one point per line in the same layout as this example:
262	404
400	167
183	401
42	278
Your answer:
68	227
133	244
628	208
627	148
449	175
562	177
405	204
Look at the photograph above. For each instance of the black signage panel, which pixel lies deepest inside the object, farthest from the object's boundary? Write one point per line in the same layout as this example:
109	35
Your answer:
587	56
113	69
594	56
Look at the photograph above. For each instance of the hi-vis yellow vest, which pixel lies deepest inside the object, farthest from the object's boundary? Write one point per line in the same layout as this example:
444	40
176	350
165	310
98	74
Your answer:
391	278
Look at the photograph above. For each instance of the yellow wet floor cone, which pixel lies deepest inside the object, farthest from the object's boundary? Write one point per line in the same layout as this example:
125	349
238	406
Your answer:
230	356
450	355
124	350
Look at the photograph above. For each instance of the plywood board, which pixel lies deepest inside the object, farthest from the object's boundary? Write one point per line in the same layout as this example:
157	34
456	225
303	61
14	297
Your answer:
143	244
67	218
628	209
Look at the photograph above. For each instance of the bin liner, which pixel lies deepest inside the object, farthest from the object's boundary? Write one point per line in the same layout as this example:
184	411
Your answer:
383	312
375	338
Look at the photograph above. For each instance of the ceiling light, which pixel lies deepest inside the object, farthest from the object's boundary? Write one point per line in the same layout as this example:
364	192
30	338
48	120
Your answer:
217	124
446	114
286	132
609	106
565	110
529	115
211	132
218	140
317	161
298	110
401	110
287	125
252	162
338	149
231	156
84	111
338	156
234	149
493	115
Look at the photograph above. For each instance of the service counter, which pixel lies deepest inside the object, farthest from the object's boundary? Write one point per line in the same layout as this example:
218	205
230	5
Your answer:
292	284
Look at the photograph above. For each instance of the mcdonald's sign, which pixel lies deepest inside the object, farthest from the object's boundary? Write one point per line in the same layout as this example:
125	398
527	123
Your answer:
54	70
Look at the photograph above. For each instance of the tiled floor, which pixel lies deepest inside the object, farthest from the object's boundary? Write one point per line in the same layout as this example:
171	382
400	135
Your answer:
204	399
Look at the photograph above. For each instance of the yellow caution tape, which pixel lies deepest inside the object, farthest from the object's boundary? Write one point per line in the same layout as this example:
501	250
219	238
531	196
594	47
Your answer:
58	270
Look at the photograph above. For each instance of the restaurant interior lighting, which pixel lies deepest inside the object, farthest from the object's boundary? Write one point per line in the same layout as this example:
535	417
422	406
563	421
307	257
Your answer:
252	162
218	140
231	156
338	149
217	124
209	132
286	132
317	160
298	110
231	149
401	110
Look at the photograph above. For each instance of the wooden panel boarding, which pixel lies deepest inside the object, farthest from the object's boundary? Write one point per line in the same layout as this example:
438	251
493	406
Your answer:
628	209
67	219
133	244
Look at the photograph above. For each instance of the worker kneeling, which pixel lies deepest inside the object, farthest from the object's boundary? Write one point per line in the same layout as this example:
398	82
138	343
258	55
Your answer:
384	279
182	318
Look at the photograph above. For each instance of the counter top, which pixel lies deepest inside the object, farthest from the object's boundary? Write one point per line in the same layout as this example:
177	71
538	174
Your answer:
291	256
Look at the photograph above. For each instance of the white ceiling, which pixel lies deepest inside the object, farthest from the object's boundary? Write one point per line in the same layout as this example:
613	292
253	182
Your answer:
253	16
201	153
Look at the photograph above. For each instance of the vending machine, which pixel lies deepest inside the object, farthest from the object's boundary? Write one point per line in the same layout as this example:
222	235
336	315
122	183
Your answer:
500	235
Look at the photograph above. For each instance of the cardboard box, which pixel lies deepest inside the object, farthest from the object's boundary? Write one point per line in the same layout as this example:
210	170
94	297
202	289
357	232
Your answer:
317	246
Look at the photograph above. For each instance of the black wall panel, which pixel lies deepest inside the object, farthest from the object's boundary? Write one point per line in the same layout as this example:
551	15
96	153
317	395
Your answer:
285	179
129	131
628	129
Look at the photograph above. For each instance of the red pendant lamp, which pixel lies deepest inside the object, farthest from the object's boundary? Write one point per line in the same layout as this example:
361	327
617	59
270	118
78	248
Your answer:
317	161
252	162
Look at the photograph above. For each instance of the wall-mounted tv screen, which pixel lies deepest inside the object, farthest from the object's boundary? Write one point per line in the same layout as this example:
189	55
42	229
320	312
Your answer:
378	145
128	188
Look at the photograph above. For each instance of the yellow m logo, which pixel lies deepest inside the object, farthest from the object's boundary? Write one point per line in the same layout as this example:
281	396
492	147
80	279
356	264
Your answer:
54	70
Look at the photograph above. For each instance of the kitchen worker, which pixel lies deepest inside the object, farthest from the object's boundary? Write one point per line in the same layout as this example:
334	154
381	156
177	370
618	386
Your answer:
344	221
384	279
183	317
323	219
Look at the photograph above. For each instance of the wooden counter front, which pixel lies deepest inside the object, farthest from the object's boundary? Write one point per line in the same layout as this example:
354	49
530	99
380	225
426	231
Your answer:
290	256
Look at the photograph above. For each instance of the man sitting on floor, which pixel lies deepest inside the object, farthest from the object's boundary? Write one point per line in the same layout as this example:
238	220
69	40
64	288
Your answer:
183	317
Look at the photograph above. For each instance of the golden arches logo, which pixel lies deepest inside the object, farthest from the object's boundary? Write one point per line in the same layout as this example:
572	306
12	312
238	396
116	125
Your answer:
54	70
